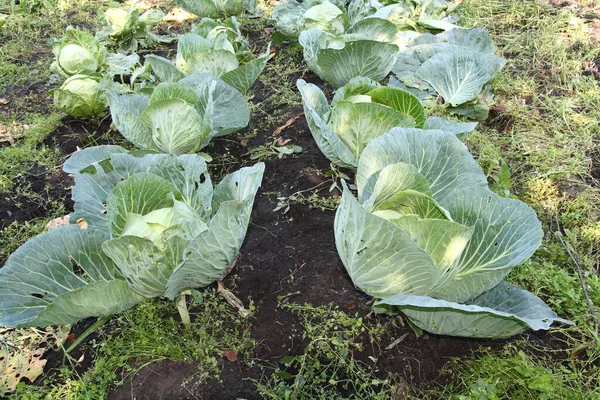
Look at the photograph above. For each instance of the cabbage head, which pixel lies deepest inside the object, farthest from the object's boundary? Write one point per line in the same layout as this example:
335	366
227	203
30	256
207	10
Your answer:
78	52
361	111
429	239
148	226
80	96
217	8
180	117
457	65
218	50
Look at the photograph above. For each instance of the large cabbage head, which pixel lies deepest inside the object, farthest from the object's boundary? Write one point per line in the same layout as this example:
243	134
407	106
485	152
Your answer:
80	96
180	117
429	239
359	112
151	226
219	52
78	52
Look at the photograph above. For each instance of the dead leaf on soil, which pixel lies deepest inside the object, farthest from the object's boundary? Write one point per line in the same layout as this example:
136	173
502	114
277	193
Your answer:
287	124
57	222
231	355
10	133
21	352
350	305
4	100
282	142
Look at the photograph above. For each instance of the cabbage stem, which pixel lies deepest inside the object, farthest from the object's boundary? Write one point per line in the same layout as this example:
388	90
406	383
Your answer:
183	310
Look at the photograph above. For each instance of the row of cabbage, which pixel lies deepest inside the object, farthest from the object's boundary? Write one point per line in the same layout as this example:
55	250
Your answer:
426	236
147	222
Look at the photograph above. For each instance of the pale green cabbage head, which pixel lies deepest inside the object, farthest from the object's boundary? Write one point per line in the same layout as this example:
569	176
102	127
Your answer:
80	96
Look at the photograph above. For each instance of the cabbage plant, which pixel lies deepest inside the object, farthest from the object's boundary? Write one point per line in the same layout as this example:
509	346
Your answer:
220	51
457	65
429	239
128	29
412	15
148	226
365	49
180	117
361	111
217	8
81	96
292	17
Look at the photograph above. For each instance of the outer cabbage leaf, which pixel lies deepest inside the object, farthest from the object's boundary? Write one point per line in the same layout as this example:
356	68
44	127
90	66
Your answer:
459	76
230	108
209	255
501	312
506	233
217	8
163	68
460	129
315	112
126	112
373	249
457	65
60	277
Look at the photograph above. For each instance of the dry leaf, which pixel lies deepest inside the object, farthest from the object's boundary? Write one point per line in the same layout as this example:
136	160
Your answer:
231	355
57	222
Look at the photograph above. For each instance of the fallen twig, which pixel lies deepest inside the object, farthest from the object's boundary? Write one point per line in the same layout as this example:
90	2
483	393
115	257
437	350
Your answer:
395	342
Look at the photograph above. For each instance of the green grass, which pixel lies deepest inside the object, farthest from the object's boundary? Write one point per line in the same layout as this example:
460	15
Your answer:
326	369
545	130
152	332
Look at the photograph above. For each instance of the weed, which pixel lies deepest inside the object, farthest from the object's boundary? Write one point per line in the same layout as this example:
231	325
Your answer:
276	148
327	369
514	374
151	332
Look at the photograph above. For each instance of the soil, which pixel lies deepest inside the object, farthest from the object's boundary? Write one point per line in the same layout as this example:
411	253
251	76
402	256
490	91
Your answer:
290	253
